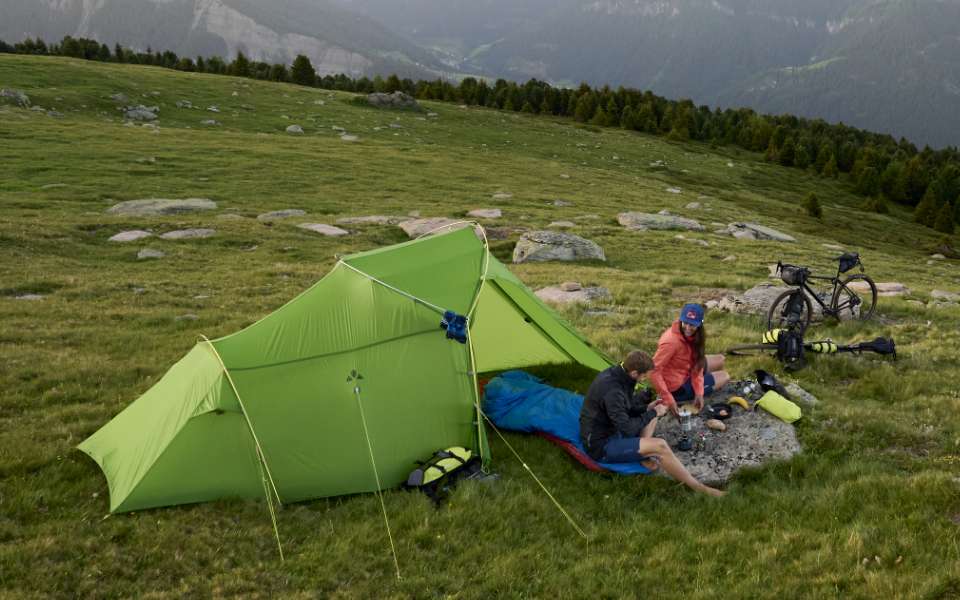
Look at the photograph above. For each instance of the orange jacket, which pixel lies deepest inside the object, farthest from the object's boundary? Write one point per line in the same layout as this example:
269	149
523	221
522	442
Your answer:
674	363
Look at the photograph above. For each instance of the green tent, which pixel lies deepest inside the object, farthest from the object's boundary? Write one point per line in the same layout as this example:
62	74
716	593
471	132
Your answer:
277	408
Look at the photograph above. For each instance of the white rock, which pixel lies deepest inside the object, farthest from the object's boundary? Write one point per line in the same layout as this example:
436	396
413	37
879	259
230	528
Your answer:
486	213
674	190
146	253
324	229
349	138
562	224
188	234
294	129
502	196
130	236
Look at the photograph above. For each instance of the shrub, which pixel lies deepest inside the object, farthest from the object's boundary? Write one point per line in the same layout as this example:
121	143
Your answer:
811	204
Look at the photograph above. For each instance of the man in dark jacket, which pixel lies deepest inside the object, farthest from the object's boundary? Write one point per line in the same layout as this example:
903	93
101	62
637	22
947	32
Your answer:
617	425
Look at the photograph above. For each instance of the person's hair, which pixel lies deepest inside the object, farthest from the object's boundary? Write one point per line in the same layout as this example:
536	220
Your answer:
637	361
700	347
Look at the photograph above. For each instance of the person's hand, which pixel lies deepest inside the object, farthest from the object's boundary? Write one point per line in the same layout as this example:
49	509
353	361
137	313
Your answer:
698	403
660	409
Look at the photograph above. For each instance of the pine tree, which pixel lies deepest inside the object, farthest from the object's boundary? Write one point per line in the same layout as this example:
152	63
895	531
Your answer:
527	107
787	152
812	205
600	118
302	72
392	84
830	169
868	183
944	221
875	204
240	66
586	107
926	211
801	158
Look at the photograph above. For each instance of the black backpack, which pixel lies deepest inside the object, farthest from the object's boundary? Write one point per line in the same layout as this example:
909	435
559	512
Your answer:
790	349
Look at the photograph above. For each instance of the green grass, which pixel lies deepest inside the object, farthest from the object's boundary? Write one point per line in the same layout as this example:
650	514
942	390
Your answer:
881	463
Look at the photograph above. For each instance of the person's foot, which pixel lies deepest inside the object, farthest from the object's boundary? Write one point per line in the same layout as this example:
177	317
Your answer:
714	492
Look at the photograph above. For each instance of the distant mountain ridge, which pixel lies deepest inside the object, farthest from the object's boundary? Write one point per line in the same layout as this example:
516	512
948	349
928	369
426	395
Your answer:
335	40
890	66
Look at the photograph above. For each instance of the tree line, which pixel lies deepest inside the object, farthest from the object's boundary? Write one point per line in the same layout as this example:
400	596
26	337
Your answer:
880	168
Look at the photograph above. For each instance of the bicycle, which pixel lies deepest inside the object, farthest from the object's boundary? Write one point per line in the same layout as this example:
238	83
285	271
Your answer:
793	308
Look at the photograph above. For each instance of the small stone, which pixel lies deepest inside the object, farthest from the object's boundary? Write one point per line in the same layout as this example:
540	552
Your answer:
349	138
186	317
716	425
564	176
938	256
28	297
560	202
184	104
798	393
281	214
324	229
338	128
235	93
502	196
693	206
562	224
674	190
485	213
213	109
130	236
188	234
295	129
730	258
146	253
210	122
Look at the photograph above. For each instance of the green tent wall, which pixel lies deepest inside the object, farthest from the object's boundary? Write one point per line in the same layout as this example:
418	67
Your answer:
269	409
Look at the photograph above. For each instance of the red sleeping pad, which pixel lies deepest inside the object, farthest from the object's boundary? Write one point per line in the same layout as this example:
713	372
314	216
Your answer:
575	452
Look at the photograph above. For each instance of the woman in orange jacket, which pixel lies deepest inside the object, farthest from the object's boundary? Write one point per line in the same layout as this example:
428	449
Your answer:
682	371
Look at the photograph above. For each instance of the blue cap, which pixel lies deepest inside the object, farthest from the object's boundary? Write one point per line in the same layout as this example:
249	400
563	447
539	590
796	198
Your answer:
692	314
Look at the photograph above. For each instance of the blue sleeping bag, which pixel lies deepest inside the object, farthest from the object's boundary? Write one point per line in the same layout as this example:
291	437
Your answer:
518	401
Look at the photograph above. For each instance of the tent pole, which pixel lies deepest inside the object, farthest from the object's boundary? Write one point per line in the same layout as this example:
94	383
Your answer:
355	377
261	459
473	360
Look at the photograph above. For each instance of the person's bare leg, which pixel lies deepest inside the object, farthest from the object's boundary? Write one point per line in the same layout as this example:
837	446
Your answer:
658	448
720	379
715	362
647	432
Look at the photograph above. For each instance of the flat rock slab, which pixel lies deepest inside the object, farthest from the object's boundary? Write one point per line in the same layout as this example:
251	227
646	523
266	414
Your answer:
944	296
890	288
29	297
757	300
562	224
751	439
147	253
161	206
753	231
189	234
373	220
281	214
416	227
637	221
541	246
486	213
130	236
558	295
324	229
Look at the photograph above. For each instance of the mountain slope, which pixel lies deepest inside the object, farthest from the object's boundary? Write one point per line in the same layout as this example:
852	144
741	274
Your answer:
336	40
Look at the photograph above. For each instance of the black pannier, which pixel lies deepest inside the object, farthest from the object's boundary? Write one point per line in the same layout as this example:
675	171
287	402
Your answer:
792	275
848	260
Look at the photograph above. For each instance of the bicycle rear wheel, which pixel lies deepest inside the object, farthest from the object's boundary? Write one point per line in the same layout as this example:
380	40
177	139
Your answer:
856	301
786	311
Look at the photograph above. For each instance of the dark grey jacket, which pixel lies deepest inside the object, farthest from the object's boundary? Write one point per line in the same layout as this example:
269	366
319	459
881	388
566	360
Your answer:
611	407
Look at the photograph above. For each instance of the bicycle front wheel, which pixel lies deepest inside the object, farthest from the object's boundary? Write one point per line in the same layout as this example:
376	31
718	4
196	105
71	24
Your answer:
786	311
855	298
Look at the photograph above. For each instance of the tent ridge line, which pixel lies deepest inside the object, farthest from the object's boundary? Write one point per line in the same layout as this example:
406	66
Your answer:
393	288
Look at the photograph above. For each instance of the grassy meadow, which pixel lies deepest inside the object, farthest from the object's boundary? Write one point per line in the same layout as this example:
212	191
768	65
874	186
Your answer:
870	509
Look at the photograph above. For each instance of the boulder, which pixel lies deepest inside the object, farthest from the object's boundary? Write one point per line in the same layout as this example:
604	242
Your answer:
486	213
889	288
414	228
324	229
161	206
189	234
130	236
18	97
394	100
141	112
558	295
753	231
751	439
637	221
281	214
540	246
373	220
757	300
944	296
294	129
